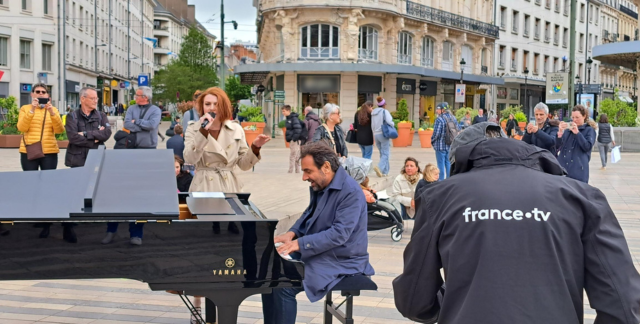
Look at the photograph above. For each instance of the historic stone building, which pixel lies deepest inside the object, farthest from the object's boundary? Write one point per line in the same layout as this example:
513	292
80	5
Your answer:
350	52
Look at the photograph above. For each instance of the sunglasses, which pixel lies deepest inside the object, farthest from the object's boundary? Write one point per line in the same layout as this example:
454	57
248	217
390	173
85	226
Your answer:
40	92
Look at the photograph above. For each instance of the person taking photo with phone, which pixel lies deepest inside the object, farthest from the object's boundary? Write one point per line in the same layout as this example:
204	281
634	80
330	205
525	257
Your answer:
544	131
575	141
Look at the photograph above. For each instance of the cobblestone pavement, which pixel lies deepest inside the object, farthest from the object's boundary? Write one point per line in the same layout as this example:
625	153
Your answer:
278	194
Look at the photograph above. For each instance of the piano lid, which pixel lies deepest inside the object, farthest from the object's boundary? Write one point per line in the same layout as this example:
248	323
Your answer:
113	184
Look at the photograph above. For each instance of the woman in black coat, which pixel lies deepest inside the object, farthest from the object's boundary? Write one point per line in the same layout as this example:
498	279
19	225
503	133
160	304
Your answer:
512	126
183	178
362	127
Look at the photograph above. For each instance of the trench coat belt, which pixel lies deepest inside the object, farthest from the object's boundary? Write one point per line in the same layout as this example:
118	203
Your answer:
220	171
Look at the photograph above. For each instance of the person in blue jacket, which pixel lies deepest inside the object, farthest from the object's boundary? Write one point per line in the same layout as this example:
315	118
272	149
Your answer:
544	132
575	141
330	237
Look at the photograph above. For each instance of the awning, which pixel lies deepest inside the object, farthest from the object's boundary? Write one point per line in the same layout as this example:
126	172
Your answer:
626	99
254	70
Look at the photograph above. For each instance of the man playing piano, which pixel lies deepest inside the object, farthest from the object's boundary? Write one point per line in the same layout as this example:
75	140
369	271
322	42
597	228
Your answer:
330	236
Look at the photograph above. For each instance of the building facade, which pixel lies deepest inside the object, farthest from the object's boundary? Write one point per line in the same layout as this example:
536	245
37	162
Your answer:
29	49
535	38
621	24
351	53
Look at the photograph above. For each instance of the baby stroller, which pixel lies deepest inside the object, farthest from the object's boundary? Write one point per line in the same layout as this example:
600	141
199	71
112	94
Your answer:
381	214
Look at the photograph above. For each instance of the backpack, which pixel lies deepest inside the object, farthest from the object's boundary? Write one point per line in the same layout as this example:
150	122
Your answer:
304	133
450	131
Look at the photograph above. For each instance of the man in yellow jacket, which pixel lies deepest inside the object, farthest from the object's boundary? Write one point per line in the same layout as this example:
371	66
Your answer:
39	123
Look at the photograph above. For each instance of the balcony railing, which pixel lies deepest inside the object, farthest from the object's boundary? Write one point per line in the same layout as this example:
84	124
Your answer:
526	32
548	4
538	2
367	54
629	12
514	65
556	40
501	64
536	35
426	62
445	18
161	28
514	29
404	59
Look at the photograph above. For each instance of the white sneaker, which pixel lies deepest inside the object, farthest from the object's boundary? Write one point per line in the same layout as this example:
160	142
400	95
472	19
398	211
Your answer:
136	241
108	238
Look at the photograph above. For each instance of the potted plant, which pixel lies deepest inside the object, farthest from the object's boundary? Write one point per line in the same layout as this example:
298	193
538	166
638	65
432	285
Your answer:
522	119
515	110
9	135
425	132
251	132
403	125
254	117
63	140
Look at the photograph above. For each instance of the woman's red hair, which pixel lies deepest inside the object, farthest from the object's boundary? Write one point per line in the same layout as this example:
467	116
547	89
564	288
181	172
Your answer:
224	104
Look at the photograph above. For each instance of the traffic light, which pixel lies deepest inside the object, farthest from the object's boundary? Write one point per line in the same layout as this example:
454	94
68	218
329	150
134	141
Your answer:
235	25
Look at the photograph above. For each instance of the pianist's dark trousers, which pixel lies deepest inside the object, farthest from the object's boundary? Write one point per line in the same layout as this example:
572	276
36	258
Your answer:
135	230
280	307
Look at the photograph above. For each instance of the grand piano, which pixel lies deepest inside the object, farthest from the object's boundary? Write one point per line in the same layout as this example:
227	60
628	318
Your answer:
180	252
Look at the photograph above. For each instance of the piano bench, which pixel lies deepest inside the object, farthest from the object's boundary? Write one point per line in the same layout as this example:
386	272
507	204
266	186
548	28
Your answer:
349	287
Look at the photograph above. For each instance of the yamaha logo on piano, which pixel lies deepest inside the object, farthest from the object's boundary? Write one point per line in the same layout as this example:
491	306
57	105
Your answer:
229	263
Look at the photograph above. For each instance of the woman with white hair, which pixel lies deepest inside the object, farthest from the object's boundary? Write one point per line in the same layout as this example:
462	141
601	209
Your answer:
330	132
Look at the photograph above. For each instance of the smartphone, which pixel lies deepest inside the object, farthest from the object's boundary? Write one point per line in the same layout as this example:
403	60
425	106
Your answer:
188	167
43	102
532	121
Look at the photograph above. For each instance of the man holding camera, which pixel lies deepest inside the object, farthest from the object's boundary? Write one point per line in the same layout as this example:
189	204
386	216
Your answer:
544	131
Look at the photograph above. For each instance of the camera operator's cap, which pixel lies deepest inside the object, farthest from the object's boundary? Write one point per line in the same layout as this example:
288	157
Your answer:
473	134
442	105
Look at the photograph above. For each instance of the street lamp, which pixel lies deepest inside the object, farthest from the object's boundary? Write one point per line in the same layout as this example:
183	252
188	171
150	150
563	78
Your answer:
235	26
589	62
579	87
526	100
462	65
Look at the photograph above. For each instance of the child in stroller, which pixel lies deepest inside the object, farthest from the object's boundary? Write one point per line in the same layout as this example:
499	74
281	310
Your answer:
381	214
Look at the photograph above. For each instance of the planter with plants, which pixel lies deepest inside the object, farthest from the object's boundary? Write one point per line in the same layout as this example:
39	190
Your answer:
403	125
63	140
520	117
253	117
462	112
9	135
425	132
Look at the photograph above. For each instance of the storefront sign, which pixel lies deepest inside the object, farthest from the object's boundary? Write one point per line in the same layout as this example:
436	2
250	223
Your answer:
318	83
122	86
127	84
460	92
73	87
406	86
428	88
369	84
42	78
25	88
588	88
114	83
557	84
261	88
100	83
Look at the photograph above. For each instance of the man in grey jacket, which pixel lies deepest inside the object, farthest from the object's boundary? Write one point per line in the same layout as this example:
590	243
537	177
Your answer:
143	118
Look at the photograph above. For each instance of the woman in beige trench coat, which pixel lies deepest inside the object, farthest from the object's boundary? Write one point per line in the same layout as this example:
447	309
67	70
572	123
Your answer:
216	150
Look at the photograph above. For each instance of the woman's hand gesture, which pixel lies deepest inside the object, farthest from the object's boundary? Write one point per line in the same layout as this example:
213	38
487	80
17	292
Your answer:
262	139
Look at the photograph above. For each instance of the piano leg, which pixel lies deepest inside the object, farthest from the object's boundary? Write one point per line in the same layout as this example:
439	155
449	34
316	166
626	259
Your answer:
227	301
210	311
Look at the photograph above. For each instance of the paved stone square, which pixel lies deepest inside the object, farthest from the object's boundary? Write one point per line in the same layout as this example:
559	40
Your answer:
279	195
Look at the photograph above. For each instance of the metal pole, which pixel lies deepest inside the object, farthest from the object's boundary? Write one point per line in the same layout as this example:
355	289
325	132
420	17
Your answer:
128	41
64	61
495	64
222	68
526	100
60	36
95	37
142	38
572	53
109	71
587	41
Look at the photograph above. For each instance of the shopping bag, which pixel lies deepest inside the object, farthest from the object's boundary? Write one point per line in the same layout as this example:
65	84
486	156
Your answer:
615	154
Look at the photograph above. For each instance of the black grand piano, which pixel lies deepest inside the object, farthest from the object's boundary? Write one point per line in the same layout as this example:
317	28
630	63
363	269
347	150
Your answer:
180	252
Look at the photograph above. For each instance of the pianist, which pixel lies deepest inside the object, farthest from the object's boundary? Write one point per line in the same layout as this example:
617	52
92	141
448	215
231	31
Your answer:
330	236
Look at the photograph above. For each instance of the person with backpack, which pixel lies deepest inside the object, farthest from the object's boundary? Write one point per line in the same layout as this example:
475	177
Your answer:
362	127
446	128
296	135
379	117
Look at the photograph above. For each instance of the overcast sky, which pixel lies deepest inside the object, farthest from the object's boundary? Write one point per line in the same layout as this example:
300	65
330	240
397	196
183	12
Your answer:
241	11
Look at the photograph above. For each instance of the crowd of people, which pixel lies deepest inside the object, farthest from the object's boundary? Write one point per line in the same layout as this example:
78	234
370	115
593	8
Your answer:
477	236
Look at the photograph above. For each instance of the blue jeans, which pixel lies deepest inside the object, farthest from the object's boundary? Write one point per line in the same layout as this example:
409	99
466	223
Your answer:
384	146
443	164
367	151
135	230
280	307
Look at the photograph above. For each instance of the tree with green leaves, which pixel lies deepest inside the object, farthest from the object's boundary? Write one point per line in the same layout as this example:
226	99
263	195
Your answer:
236	90
195	68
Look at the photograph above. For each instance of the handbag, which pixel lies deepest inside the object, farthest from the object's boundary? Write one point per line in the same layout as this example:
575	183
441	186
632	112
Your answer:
352	136
388	131
615	154
34	150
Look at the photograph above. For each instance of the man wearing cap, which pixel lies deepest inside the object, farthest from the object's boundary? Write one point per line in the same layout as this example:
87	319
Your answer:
514	256
438	139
